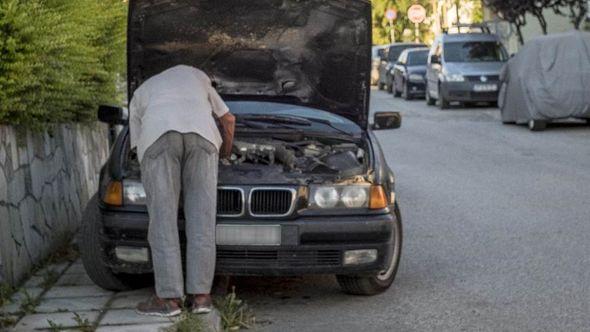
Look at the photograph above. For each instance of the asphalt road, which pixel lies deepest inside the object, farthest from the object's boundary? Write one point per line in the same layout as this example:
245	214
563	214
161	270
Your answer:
496	233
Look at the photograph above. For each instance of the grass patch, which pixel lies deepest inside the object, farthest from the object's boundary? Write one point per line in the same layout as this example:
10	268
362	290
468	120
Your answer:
54	327
188	323
6	321
83	324
235	314
5	293
29	303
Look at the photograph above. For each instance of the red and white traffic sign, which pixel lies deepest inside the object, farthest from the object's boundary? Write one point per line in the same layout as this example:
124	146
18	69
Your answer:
416	14
391	14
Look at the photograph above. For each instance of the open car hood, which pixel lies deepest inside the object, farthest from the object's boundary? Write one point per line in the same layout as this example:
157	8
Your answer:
315	53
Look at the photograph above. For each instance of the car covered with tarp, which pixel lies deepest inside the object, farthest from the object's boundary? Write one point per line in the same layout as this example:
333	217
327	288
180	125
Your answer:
549	79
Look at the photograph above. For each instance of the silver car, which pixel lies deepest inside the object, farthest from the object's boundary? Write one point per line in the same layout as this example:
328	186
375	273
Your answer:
464	67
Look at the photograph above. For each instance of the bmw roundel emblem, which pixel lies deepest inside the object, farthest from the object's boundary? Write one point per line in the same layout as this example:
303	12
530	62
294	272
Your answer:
483	79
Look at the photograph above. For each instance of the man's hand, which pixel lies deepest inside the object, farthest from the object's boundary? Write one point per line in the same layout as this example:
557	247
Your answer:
227	125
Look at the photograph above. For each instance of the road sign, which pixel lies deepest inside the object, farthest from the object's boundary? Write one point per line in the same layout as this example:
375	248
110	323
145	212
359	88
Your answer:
391	14
417	14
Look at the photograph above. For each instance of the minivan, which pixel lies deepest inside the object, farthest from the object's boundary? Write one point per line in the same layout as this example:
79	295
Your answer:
464	67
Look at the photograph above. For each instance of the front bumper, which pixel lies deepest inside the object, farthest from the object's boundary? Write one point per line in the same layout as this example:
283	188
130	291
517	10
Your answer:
465	92
416	88
309	245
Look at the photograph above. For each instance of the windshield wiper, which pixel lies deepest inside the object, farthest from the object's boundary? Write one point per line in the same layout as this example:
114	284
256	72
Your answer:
329	124
276	119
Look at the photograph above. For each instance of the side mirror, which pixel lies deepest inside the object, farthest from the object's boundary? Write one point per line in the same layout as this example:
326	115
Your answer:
434	58
387	120
113	115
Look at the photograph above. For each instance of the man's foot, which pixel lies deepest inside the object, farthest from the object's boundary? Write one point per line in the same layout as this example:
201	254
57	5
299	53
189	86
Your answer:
156	306
200	303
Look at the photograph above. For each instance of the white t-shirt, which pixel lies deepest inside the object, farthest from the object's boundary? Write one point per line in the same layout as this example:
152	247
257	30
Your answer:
179	99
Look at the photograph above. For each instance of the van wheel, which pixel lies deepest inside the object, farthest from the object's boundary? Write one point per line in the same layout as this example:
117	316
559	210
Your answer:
443	103
92	253
406	93
537	125
429	100
381	86
381	281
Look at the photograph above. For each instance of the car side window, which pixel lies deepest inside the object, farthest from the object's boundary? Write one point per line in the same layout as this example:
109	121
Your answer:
403	58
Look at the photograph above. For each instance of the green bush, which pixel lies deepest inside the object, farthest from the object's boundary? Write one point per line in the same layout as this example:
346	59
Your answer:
59	59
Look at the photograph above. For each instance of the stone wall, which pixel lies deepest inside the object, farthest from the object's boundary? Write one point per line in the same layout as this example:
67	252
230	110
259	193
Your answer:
45	181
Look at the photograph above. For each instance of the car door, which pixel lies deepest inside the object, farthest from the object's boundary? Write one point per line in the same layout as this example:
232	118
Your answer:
399	71
434	68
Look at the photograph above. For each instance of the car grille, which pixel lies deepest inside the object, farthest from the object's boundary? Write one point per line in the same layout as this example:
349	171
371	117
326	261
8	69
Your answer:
278	258
477	78
271	202
230	202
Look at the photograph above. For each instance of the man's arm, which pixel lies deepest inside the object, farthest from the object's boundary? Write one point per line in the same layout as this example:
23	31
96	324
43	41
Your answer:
228	124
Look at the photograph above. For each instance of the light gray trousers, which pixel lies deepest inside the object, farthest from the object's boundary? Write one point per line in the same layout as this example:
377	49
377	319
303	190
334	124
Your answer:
181	162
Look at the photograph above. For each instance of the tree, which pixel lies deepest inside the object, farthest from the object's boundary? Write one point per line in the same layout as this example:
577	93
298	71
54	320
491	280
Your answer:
381	26
512	11
576	10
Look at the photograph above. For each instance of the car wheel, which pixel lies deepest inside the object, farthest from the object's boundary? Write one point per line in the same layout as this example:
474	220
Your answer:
443	103
537	125
406	93
92	253
381	86
395	92
380	282
429	100
390	87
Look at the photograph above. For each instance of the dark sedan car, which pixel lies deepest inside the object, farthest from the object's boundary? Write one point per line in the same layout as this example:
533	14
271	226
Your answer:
388	60
307	189
409	73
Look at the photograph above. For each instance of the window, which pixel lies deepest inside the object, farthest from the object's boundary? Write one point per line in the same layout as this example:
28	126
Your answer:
474	51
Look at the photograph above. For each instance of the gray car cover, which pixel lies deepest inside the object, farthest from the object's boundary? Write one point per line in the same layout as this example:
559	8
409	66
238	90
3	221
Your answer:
548	79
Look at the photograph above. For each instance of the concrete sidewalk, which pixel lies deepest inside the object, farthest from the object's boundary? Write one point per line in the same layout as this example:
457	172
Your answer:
62	297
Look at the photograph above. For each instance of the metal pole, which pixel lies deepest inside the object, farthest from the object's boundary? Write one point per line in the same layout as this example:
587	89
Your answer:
392	31
417	32
457	4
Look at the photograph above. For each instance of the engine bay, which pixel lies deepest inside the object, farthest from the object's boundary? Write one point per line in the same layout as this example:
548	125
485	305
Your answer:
343	159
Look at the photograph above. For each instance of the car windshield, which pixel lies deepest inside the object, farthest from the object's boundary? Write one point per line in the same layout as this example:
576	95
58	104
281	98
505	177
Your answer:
418	58
395	51
257	108
474	51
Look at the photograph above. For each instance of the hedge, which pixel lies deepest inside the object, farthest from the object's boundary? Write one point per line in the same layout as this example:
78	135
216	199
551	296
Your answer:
59	59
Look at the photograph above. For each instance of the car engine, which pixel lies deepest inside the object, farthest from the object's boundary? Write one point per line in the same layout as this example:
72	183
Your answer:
343	159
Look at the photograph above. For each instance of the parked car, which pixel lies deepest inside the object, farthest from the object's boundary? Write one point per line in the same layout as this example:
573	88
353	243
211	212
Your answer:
464	67
388	60
409	73
377	53
308	189
548	80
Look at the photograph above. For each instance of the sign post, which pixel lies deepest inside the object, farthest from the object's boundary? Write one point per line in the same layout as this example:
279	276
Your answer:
417	15
391	15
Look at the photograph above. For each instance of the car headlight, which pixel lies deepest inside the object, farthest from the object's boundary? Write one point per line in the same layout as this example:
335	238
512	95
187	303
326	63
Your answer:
347	196
354	197
133	193
325	197
454	78
416	78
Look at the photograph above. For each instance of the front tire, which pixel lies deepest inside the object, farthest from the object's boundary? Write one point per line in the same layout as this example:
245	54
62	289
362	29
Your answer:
429	100
443	103
537	125
93	253
406	92
381	281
